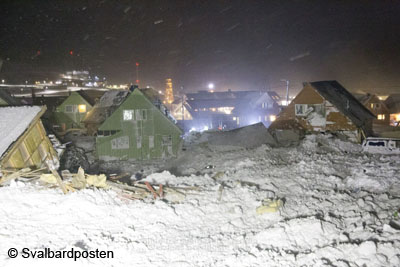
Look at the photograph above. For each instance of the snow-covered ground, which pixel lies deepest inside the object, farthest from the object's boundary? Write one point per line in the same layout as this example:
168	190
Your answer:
338	206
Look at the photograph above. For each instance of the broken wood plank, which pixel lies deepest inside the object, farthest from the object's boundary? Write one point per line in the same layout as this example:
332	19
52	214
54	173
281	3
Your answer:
160	191
14	175
151	189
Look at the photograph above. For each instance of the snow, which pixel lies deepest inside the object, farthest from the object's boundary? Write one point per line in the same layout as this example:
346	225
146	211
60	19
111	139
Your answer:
13	122
338	206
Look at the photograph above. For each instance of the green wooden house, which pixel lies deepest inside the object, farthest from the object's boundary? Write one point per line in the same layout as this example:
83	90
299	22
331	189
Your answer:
70	113
140	129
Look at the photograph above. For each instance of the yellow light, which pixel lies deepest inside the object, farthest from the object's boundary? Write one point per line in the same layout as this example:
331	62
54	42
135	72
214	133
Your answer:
82	108
272	117
381	116
397	117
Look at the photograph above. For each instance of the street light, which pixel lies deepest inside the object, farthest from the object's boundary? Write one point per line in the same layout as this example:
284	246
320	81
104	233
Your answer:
210	86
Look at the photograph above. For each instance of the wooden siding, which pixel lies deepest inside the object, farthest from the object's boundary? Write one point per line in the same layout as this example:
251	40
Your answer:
333	120
67	120
138	138
30	150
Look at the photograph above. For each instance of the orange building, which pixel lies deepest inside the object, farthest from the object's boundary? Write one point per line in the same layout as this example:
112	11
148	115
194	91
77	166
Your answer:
326	106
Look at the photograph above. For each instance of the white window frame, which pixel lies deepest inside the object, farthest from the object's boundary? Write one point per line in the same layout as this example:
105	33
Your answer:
297	109
128	114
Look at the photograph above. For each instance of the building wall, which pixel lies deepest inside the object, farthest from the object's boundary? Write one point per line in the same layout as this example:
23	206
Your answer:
148	135
31	149
379	109
67	120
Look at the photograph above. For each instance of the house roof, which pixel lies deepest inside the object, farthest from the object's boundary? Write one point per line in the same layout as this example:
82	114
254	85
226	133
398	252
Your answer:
206	99
107	104
87	98
393	103
13	123
12	101
51	102
344	101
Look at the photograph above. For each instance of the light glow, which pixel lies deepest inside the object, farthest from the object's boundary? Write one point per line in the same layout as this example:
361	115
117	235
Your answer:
82	108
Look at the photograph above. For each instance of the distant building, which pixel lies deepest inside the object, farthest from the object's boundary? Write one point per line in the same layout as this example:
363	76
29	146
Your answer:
376	106
231	109
140	128
393	104
70	113
326	106
169	92
23	140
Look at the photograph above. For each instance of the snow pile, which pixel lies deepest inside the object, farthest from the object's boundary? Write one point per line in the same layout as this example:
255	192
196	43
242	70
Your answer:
13	122
339	205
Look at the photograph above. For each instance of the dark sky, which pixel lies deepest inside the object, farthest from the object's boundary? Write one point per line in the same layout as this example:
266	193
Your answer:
240	45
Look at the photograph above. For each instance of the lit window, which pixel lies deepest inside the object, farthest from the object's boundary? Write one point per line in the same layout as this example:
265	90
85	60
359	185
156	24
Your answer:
234	118
128	115
272	118
82	108
381	116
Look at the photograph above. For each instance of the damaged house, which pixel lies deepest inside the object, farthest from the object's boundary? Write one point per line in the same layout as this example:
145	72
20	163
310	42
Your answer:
326	106
103	109
23	140
139	128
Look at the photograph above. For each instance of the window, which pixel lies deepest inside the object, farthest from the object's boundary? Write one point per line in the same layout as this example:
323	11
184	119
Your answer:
166	140
138	115
381	116
301	109
263	105
69	109
128	115
82	108
272	118
144	114
375	105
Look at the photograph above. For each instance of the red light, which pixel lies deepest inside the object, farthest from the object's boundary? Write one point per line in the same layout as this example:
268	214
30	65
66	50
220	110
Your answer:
71	52
137	81
137	64
38	53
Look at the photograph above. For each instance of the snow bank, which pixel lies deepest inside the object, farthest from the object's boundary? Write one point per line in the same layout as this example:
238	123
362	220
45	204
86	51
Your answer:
329	217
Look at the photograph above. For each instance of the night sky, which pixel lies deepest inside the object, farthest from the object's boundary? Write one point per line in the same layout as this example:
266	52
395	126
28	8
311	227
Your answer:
241	45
